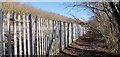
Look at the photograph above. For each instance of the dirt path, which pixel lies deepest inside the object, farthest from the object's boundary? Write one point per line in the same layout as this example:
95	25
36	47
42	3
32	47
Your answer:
81	48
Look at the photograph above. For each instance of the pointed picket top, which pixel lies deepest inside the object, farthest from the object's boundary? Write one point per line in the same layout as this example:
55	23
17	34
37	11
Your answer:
14	15
8	15
19	17
23	16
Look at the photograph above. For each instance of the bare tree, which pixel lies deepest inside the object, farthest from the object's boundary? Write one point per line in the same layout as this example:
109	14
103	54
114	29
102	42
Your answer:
106	21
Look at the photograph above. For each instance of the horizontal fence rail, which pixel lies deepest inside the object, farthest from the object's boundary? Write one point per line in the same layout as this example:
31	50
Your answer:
22	34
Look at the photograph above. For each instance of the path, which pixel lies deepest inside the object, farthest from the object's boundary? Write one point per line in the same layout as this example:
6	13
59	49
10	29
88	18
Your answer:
82	48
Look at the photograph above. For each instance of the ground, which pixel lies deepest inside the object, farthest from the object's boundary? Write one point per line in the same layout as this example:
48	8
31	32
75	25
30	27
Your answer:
82	48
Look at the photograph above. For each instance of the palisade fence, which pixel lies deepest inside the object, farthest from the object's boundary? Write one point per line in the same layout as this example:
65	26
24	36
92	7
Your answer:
33	35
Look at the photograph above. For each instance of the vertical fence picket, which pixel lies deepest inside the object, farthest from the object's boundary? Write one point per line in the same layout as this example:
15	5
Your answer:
30	34
67	34
20	38
9	35
52	36
40	34
56	37
28	38
49	38
75	31
3	40
79	30
2	33
47	35
57	40
60	28
64	34
72	31
36	20
39	37
44	37
33	35
24	33
15	33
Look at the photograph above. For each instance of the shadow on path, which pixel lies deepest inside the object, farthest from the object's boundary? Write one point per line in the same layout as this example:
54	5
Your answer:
79	50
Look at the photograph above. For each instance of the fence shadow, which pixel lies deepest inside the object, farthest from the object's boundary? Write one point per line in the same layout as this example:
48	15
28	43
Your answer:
87	53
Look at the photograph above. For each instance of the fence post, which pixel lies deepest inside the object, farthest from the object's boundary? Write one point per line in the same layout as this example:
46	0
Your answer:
2	40
30	35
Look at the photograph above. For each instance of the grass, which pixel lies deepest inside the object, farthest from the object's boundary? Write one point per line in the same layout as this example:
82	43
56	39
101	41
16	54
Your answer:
28	9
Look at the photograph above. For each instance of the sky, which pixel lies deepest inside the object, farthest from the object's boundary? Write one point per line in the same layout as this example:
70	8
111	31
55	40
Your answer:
62	9
68	0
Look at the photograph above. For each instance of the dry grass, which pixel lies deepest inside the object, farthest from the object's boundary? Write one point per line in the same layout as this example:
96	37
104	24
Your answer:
27	9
